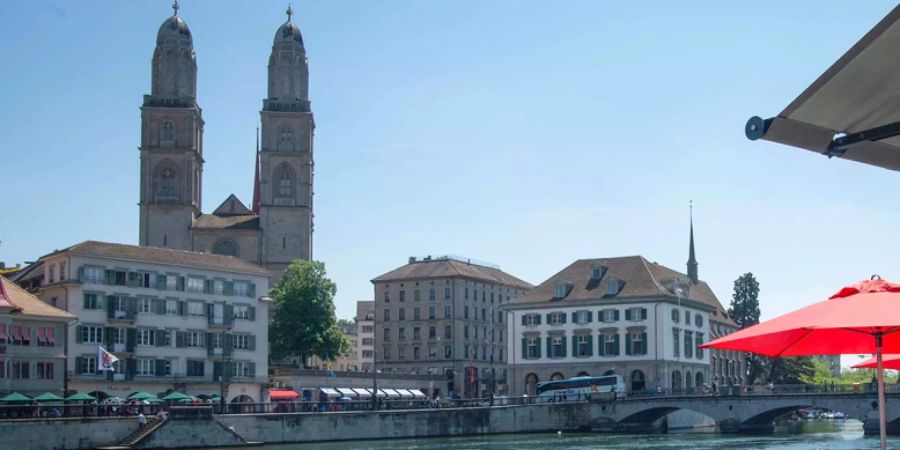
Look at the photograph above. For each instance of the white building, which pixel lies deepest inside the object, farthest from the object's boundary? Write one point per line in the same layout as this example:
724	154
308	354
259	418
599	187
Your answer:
175	319
365	331
625	316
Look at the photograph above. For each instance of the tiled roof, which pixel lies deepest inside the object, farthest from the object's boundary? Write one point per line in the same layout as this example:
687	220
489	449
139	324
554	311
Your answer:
639	279
11	295
232	207
445	268
162	256
212	221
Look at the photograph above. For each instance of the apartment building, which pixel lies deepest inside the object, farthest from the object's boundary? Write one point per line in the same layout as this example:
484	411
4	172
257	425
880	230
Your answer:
365	331
32	342
442	316
175	319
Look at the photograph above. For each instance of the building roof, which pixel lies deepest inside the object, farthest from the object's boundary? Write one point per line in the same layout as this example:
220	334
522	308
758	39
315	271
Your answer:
365	310
638	278
161	256
446	267
232	207
21	301
234	222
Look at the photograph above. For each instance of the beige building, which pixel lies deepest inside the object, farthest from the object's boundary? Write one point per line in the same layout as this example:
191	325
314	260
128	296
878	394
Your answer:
276	227
32	343
365	331
348	362
442	316
175	319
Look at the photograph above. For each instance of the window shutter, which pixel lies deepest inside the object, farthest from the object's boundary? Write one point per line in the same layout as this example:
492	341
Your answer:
160	338
179	284
524	346
563	317
628	314
563	346
575	317
207	286
217	370
590	315
616	315
107	336
251	312
251	366
210	311
79	363
160	306
179	339
251	342
616	344
130	368
78	336
537	318
131	307
130	339
628	344
110	277
590	346
574	346
523	318
228	313
182	308
110	306
160	367
644	343
601	345
161	282
537	343
643	313
251	292
209	340
550	348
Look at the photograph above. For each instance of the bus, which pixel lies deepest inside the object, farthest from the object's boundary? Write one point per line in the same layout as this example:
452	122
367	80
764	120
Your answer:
580	388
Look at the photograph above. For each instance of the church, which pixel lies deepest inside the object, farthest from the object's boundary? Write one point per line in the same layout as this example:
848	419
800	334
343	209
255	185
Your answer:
276	227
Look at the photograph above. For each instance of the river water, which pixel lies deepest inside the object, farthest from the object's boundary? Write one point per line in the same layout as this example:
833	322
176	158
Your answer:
826	435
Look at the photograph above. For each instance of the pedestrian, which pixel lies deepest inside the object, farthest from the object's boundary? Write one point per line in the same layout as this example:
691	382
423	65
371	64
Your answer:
142	421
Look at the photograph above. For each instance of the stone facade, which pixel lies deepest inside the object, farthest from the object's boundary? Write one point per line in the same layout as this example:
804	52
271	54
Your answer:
276	228
442	316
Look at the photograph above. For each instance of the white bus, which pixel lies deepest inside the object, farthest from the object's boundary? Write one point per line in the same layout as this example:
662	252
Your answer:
579	388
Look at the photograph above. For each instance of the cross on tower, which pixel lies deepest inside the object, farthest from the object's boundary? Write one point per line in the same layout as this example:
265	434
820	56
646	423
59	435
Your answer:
175	8
289	12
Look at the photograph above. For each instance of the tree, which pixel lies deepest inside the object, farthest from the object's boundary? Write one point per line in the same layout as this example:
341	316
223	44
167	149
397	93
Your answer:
304	322
744	308
795	370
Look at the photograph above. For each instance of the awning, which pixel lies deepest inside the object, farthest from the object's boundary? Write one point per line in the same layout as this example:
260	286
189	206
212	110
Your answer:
330	392
852	110
380	393
417	393
404	393
362	392
283	394
347	392
391	393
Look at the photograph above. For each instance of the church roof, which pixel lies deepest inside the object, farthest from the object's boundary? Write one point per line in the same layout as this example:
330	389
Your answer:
23	302
446	267
232	207
162	256
236	222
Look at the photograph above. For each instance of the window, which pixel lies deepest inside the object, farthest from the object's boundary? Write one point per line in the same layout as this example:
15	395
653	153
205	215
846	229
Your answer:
698	321
285	182
45	370
416	353
447	312
368	354
51	271
195	284
466	294
446	293
466	332
402	296
465	312
556	318
62	271
168	131
432	332
637	343
241	288
416	315
483	314
242	341
675	316
636	314
582	317
91	334
171	282
688	344
531	319
387	314
560	290
118	336
46	336
87	366
417	335
431	294
91	301
583	345
448	352
146	305
448	331
368	329
698	341
416	296
167	182
402	314
242	312
613	287
286	138
195	368
146	367
609	315
401	334
401	353
196	309
368	341
145	336
532	348
93	275
676	341
387	297
557	347
610	344
387	334
687	317
431	312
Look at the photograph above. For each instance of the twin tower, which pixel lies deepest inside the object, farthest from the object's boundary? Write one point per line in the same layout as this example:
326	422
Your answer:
276	227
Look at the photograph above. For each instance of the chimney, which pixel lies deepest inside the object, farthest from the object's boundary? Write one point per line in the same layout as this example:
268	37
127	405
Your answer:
412	259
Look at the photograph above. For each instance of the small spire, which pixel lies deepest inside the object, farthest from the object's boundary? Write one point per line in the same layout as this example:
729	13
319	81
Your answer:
256	193
290	12
175	8
692	258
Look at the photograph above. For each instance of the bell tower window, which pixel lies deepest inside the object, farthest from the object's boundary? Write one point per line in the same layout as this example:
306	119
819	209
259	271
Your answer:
168	133
284	186
166	184
286	139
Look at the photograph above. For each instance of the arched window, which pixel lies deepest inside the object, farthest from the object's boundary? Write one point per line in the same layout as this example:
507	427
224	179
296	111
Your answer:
225	247
688	381
286	138
167	182
637	381
699	380
284	185
676	381
168	131
531	381
556	376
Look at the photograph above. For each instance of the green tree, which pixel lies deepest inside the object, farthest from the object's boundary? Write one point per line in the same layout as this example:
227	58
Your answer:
744	310
793	370
304	323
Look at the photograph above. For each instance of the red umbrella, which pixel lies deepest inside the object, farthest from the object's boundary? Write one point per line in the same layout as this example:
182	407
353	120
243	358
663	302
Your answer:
863	318
888	362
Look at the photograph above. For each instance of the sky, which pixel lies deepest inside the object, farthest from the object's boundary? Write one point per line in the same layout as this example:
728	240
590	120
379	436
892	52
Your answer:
527	134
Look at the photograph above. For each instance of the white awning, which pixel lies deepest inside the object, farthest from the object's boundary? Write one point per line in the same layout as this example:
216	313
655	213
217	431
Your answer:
404	393
330	392
379	394
391	393
417	393
852	110
362	392
347	392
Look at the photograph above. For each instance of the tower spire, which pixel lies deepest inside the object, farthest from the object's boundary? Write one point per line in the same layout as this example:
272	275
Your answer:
175	8
256	193
692	258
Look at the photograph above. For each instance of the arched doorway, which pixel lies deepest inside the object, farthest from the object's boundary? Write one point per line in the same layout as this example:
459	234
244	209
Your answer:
557	376
583	374
676	381
688	381
637	381
531	381
241	404
698	380
609	372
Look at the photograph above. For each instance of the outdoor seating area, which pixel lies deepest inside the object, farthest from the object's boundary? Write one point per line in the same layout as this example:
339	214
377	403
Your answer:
16	405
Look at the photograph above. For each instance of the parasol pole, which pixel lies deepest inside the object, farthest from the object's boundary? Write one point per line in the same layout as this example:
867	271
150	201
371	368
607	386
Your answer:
881	406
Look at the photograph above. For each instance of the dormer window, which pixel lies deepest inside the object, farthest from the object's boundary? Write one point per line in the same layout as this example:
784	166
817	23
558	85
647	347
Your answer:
597	271
561	290
613	287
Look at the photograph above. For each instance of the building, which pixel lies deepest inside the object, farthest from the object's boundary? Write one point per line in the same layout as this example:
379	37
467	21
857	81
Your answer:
276	227
442	316
178	320
32	343
365	322
348	362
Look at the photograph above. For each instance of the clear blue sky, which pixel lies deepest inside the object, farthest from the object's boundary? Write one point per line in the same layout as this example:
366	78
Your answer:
524	133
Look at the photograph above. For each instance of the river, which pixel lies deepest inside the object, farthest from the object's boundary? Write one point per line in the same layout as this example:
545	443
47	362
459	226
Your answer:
825	435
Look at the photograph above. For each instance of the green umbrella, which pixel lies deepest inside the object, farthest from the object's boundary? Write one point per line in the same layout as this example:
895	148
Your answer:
153	400
15	397
48	397
80	397
176	396
141	395
187	400
112	398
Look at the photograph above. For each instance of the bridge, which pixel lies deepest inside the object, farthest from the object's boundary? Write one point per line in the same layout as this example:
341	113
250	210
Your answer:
740	413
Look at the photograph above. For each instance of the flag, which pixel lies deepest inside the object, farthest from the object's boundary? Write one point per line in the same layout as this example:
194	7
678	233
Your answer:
105	359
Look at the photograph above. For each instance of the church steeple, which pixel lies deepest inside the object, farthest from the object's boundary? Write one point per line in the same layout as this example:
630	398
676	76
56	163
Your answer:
692	258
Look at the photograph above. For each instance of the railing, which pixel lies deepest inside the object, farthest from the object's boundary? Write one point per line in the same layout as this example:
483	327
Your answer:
766	390
287	371
59	410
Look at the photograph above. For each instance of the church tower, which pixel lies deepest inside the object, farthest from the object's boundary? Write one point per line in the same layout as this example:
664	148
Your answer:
285	167
692	257
171	141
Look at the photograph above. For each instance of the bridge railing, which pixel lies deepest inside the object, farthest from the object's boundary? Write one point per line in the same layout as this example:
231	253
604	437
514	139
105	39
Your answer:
776	389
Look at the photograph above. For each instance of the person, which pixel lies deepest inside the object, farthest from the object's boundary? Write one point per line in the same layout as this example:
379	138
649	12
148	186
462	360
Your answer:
142	421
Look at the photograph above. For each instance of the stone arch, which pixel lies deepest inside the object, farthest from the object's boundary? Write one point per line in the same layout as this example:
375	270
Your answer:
166	182
676	381
531	381
698	380
226	247
284	186
557	376
638	381
583	374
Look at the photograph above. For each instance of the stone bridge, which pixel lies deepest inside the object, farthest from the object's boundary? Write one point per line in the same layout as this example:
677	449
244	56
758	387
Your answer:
739	414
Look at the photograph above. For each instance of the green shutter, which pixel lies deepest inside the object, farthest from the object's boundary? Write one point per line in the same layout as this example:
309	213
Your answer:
616	345
160	339
563	346
228	288
590	315
252	367
628	314
160	305
574	346
81	274
548	318
161	282
228	313
79	363
643	313
209	340
130	339
644	342
523	319
207	286
84	301
590	346
110	277
251	292
601	346
574	317
549	347
78	335
251	313
628	343
217	370
131	308
537	318
538	347
130	368
160	367
524	347
616	315
182	308
107	336
179	339
251	342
